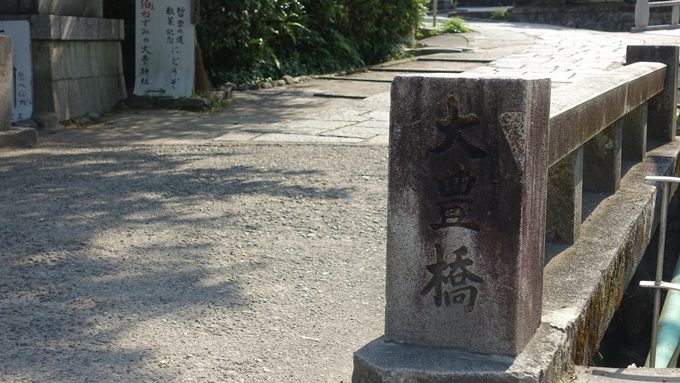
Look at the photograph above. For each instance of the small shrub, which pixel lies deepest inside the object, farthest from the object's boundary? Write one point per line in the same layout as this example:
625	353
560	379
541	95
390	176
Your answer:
499	14
455	25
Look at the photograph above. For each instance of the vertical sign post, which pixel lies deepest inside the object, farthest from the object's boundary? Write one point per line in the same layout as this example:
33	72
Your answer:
166	39
22	72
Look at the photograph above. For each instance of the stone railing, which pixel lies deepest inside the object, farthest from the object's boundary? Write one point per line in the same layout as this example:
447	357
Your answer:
482	172
642	8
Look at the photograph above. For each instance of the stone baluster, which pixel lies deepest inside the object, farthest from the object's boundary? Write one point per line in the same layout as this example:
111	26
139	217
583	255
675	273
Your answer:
642	14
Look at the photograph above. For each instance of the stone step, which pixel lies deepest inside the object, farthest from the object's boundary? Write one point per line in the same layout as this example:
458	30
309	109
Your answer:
619	375
430	67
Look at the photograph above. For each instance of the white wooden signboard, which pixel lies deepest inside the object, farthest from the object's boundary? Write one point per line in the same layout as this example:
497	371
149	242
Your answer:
165	48
22	99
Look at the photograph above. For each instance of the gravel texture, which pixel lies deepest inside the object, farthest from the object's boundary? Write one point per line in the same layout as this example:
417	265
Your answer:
220	263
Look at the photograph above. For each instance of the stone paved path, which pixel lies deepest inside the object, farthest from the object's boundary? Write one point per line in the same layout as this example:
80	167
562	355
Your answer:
354	109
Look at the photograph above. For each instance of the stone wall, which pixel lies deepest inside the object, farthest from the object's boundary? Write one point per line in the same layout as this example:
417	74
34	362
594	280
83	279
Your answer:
552	3
484	3
616	16
77	58
5	83
85	8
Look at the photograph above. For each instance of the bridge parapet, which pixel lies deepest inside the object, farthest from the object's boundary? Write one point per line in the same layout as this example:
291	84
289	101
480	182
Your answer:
642	8
484	170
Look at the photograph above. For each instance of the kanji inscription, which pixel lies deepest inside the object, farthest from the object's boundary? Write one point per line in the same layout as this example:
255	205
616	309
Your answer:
453	125
454	205
456	277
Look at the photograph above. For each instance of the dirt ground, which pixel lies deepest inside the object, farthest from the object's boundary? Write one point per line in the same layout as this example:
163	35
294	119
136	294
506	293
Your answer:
228	263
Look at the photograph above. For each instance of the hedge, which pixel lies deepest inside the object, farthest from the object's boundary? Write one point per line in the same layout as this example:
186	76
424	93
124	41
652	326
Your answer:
243	40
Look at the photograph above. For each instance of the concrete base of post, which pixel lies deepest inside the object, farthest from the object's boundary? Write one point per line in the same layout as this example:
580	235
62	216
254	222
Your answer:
18	138
382	362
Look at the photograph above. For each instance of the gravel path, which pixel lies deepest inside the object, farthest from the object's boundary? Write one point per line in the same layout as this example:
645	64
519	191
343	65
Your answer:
227	263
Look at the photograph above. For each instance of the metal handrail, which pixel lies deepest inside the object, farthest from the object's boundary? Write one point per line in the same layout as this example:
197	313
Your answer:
658	284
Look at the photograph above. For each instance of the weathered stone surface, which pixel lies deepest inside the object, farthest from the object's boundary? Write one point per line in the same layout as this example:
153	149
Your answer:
599	15
602	161
46	120
581	110
87	8
584	284
634	126
662	111
582	287
18	138
565	194
381	361
5	83
78	77
52	27
466	202
523	3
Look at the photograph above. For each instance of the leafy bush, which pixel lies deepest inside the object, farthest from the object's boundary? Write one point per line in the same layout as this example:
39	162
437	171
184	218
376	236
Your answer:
499	14
245	40
455	25
256	39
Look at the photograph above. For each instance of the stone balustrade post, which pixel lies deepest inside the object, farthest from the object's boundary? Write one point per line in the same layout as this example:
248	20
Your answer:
565	199
662	109
634	125
642	14
602	160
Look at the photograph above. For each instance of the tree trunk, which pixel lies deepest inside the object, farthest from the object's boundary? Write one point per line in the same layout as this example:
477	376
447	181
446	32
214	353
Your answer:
202	82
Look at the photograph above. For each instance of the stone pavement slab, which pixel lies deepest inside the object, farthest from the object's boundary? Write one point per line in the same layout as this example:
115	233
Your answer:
419	66
513	49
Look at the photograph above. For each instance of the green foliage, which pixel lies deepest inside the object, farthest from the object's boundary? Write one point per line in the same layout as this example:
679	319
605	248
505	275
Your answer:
455	25
256	40
499	14
245	40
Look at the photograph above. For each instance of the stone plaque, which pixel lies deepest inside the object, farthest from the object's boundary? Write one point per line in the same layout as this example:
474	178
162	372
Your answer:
165	48
22	71
466	215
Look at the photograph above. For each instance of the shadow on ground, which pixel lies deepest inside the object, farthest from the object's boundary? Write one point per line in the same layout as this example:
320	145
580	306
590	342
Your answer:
98	242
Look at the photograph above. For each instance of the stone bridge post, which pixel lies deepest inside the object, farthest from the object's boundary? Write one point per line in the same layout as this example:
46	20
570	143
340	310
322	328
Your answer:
466	221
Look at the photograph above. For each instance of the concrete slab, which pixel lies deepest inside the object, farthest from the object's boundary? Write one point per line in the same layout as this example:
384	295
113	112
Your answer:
430	66
18	138
376	76
340	89
305	139
447	40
